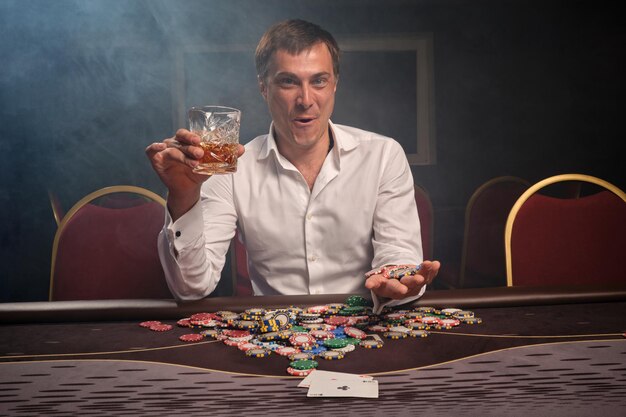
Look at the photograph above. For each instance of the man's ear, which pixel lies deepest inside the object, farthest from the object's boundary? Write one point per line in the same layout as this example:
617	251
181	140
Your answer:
262	86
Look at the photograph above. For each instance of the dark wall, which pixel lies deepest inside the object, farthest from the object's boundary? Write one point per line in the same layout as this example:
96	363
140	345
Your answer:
526	88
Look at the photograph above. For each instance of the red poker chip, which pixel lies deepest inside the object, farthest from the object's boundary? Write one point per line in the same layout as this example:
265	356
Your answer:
236	333
322	334
205	316
336	320
230	342
287	350
148	324
301	339
160	327
354	332
318	309
184	323
299	372
191	337
246	346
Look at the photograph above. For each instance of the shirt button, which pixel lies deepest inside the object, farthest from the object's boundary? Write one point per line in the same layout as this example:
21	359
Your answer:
309	216
312	258
177	233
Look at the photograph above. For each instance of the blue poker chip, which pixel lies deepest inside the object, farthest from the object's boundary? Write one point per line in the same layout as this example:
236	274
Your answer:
316	350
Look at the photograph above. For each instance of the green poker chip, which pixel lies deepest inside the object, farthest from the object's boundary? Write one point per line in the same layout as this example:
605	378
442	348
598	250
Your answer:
303	364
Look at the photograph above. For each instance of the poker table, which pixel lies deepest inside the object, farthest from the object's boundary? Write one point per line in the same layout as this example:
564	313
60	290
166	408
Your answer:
553	351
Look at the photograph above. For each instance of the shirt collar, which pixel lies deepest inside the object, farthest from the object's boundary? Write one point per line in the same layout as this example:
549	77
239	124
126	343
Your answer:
344	141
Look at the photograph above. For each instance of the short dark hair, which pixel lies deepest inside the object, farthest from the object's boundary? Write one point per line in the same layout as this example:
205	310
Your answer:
294	36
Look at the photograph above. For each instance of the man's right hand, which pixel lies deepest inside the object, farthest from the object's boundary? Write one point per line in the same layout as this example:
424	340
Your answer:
173	160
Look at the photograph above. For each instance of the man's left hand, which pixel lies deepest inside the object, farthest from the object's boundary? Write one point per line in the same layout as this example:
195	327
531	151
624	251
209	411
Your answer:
407	286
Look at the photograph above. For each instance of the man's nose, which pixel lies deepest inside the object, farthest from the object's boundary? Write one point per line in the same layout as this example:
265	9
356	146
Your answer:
304	99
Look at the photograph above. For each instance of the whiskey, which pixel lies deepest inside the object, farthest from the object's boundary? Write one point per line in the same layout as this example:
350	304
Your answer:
218	158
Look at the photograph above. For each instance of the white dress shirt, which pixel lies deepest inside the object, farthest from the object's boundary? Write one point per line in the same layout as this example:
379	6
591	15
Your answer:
360	214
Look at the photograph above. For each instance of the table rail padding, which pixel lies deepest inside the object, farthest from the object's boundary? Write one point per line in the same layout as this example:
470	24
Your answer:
107	310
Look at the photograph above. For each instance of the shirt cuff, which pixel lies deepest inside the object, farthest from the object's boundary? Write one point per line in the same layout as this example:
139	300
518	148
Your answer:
382	302
186	230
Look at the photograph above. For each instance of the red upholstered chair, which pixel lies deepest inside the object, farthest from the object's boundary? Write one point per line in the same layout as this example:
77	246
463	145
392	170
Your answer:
426	215
106	247
482	256
572	241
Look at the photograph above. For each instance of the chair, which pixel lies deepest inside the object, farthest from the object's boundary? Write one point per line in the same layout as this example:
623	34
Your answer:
106	247
239	265
482	254
571	241
426	215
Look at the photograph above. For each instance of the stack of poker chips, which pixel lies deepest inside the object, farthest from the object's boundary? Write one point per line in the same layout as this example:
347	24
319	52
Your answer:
326	332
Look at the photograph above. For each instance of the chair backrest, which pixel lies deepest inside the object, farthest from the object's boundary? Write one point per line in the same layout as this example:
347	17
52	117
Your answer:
109	251
427	217
239	266
482	256
572	241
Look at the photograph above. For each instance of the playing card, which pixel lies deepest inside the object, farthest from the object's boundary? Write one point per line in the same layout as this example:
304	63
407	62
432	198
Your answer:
328	375
338	387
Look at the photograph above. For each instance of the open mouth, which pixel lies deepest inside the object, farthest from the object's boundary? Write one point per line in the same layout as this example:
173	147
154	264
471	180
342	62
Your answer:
304	120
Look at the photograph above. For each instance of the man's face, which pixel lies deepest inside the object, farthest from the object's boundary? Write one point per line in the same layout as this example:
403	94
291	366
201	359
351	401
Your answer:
300	92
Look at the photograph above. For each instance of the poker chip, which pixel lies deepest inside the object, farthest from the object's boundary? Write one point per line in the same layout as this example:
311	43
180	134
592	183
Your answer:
463	314
258	353
322	334
336	320
331	355
472	320
299	372
394	335
210	333
401	329
356	301
303	364
418	333
160	327
346	349
336	343
287	351
191	337
184	323
355	333
148	324
450	311
378	328
372	344
300	356
302	339
246	346
449	322
430	320
231	342
318	309
416	325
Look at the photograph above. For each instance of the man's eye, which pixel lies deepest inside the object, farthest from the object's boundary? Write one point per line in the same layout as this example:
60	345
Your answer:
320	82
286	81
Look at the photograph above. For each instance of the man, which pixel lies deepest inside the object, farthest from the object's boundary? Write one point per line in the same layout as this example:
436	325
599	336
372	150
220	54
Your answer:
317	204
